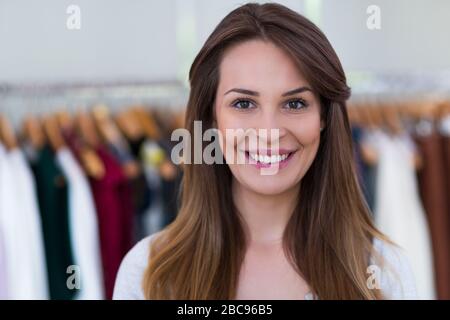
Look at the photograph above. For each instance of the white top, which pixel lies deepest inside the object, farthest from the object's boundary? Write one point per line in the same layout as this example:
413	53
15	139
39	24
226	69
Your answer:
399	213
83	228
395	285
20	227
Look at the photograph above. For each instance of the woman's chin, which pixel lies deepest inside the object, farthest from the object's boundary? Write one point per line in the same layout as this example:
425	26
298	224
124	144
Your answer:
269	186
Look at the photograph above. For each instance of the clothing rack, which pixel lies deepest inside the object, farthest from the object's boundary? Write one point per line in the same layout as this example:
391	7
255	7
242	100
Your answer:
108	172
399	87
18	101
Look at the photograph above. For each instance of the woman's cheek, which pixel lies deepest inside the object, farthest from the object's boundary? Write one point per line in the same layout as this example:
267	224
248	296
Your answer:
306	131
232	125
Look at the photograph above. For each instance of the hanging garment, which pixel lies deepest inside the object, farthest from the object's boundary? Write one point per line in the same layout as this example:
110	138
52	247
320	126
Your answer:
9	228
445	131
170	188
140	191
146	193
115	217
83	228
398	210
151	156
20	230
31	228
366	172
434	193
170	191
3	252
74	143
52	191
3	275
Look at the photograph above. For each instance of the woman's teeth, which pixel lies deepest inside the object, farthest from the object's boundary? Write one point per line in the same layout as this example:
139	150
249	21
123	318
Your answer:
269	159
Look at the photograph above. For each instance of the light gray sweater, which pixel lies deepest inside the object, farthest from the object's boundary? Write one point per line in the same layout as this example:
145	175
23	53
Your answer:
396	282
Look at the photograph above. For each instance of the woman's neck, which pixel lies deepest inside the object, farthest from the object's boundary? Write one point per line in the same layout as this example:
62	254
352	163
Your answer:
266	216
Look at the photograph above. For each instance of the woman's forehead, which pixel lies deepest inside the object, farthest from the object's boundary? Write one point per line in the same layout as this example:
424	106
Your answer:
259	65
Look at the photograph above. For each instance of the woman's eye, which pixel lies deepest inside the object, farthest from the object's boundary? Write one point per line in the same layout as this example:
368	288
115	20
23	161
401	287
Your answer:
243	104
296	104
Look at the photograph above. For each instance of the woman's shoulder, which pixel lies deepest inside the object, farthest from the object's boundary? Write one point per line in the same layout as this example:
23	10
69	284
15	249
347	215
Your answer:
395	276
128	285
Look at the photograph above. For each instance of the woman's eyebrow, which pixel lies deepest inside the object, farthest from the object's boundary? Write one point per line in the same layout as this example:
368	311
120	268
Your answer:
255	93
243	91
298	90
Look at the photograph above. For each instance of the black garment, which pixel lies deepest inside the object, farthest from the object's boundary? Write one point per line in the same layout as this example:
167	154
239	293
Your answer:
140	191
144	195
52	193
366	173
136	145
170	189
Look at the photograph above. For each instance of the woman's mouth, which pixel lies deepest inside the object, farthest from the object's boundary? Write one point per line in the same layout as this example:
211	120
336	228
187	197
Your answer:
267	159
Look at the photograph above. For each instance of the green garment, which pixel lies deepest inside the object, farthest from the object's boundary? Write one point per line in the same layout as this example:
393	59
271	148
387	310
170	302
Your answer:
52	192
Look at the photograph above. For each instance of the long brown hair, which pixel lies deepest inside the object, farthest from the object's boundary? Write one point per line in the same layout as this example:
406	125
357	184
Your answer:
329	236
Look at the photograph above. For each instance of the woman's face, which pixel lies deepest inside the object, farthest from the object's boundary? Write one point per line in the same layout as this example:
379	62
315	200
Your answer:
260	87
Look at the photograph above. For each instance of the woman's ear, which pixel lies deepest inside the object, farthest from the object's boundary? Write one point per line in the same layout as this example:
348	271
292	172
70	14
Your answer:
322	125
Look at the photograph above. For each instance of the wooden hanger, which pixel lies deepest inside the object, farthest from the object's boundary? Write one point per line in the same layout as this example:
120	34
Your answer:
370	119
33	131
378	114
148	123
442	109
368	113
86	127
174	120
397	111
65	120
53	132
391	118
409	110
92	163
112	135
7	134
428	109
180	119
167	170
353	110
129	124
402	108
362	115
106	126
446	108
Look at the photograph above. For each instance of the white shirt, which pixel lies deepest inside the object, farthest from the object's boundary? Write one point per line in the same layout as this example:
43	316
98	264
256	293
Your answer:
20	226
83	228
396	282
398	209
3	266
27	203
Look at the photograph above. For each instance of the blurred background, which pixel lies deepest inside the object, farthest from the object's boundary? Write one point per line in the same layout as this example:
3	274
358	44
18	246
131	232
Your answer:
90	91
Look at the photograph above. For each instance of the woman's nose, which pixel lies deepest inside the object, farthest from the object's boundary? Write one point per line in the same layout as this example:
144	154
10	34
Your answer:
271	123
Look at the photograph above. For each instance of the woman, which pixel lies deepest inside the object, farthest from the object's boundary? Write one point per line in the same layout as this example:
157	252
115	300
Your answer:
303	232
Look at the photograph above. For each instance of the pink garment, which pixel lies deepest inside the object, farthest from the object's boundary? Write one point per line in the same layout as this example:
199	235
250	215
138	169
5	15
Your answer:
112	196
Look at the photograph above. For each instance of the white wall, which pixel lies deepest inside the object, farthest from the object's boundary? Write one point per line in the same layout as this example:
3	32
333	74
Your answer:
145	40
414	34
118	40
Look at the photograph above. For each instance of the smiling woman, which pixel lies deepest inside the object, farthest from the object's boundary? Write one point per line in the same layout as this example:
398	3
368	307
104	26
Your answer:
277	96
304	232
